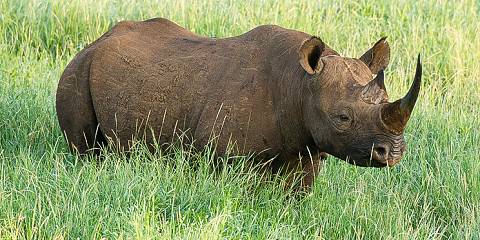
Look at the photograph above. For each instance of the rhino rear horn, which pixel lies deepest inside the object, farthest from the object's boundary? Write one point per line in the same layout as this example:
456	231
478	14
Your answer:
375	91
395	115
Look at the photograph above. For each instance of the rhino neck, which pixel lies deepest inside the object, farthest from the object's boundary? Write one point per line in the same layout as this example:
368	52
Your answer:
287	86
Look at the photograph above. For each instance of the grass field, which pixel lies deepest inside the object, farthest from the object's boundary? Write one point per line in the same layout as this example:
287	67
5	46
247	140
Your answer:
46	192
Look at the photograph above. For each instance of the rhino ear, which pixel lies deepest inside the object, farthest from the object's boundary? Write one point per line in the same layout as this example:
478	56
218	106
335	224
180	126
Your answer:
309	55
377	57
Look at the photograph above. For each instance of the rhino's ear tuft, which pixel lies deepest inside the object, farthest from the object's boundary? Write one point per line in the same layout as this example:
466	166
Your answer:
377	57
309	55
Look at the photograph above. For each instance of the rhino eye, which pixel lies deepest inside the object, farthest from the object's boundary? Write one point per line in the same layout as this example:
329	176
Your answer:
344	118
343	121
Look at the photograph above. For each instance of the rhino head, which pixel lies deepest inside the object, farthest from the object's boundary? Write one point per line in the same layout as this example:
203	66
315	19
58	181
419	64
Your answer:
346	107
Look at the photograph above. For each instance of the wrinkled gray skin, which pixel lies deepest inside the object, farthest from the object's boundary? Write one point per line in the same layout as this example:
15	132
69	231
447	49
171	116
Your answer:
274	91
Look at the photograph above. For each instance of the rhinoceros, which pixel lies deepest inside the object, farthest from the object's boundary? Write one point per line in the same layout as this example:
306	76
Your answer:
277	92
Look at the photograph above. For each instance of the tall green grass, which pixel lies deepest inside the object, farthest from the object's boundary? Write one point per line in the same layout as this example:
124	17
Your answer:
46	192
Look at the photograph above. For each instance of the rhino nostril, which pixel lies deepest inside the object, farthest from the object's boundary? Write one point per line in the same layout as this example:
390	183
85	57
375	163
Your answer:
380	152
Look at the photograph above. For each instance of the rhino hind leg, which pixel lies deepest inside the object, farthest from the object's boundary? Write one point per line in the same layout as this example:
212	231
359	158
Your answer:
75	111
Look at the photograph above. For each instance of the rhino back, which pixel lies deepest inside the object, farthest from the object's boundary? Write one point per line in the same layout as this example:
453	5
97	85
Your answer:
159	75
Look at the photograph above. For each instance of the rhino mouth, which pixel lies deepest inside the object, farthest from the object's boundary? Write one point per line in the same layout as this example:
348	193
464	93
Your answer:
369	162
372	159
365	163
385	151
387	163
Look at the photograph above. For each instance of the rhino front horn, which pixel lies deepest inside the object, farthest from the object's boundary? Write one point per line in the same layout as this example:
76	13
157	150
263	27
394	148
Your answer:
395	115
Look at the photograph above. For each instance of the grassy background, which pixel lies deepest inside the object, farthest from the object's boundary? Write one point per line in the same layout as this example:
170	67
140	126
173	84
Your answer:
434	192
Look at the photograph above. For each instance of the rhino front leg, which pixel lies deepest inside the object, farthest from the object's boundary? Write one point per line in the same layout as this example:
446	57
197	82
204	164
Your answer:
305	170
310	169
